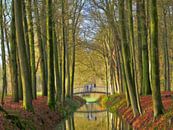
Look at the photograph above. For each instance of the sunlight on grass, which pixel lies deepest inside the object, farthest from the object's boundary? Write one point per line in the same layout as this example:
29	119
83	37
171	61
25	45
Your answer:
39	93
91	99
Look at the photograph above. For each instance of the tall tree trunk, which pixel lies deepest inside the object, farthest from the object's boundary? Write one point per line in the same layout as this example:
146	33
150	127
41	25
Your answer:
126	58
51	84
32	47
156	96
43	32
134	70
13	53
67	49
41	49
57	69
26	33
139	48
4	76
19	79
131	37
27	91
73	60
64	50
166	54
146	88
68	64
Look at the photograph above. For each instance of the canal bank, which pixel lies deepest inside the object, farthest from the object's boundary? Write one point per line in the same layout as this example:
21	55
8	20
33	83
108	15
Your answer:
42	118
117	105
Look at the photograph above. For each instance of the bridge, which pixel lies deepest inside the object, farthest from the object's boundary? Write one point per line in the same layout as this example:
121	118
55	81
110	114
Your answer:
96	90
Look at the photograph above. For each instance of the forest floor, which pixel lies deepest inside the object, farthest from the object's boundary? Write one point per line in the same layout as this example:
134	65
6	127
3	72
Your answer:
42	118
117	104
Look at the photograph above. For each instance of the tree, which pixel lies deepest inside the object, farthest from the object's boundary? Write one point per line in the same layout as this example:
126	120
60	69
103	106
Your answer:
44	43
156	96
139	47
4	77
24	66
13	53
166	52
146	89
126	58
57	68
41	50
51	84
32	47
64	49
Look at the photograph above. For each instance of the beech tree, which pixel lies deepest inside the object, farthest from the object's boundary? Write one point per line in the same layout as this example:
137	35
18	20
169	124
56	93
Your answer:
51	84
24	66
155	82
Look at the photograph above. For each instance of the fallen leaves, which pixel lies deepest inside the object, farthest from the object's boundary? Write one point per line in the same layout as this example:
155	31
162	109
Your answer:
41	118
146	121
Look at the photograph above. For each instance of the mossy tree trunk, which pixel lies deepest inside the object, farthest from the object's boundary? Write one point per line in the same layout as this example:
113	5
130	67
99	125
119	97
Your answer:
155	83
64	50
166	54
19	79
43	36
25	25
126	60
4	75
50	52
139	48
24	65
13	52
146	88
32	47
58	82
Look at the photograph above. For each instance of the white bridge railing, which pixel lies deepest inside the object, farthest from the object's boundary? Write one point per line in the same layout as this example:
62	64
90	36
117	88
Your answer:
85	90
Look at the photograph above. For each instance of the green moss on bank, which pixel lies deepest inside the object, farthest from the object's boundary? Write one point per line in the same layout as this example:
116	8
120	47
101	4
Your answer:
113	102
71	106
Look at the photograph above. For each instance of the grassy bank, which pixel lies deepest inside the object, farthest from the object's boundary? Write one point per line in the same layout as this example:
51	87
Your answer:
91	99
117	104
42	117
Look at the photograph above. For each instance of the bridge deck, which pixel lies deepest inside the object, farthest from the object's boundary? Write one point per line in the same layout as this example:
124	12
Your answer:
83	90
91	92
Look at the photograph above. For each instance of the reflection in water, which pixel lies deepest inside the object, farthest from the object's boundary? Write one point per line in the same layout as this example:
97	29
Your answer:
93	117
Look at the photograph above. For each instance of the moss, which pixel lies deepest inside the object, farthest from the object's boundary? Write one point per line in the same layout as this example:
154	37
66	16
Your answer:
113	102
71	105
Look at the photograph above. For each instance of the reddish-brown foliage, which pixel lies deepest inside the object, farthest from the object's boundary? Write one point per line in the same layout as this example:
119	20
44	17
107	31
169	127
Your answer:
41	118
146	120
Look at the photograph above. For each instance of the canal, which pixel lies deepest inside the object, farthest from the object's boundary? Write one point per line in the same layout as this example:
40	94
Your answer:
92	116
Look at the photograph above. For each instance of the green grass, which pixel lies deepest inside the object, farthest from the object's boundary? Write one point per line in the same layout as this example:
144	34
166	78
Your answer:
91	99
39	93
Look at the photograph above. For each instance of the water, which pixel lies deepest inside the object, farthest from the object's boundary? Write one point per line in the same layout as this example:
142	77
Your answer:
92	116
